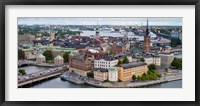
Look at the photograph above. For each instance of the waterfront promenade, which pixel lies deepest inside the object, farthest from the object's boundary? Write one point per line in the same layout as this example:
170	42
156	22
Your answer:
135	84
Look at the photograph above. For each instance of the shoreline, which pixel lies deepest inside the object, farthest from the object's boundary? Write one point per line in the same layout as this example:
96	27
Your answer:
137	84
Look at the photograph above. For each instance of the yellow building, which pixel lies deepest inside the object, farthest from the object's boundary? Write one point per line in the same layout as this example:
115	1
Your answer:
126	71
101	74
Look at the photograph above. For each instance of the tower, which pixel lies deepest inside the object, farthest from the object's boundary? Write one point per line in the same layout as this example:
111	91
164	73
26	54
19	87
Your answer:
97	30
52	36
147	40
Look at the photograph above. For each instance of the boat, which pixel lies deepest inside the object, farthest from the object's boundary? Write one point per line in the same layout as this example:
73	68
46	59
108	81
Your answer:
64	77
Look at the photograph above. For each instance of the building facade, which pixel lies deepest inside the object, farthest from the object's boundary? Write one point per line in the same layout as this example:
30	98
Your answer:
126	71
81	64
113	74
105	63
40	59
152	59
101	74
58	60
166	59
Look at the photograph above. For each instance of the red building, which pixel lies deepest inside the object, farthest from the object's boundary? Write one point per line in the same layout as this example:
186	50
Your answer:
118	48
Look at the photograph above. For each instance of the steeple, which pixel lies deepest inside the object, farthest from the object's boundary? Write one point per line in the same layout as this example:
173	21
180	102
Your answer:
97	29
147	28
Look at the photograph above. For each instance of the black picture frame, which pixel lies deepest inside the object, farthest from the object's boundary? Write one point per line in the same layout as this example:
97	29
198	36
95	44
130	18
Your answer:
3	3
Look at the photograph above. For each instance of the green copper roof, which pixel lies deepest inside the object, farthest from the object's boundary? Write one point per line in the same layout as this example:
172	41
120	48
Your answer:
112	69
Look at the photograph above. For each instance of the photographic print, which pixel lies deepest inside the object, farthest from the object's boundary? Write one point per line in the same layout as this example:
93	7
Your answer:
99	52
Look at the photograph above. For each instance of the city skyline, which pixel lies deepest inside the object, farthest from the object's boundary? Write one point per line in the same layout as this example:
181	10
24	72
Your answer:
170	21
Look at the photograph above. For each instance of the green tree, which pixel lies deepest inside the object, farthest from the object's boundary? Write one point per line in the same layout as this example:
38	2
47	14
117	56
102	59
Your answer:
138	77
90	75
21	54
22	71
119	62
152	67
177	63
66	56
48	54
125	60
142	59
134	77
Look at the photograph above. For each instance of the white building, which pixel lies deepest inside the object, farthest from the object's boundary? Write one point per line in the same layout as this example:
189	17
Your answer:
58	60
112	74
166	59
40	58
105	63
153	60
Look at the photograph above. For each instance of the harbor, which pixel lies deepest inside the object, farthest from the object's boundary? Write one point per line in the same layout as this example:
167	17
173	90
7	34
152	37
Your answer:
75	81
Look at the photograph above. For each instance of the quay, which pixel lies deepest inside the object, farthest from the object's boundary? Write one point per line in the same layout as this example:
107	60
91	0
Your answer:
128	84
136	84
39	76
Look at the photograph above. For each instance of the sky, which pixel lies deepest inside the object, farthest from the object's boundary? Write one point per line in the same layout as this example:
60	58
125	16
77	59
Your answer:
101	21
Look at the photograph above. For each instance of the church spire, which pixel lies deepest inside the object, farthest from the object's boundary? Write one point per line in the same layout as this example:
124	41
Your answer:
147	29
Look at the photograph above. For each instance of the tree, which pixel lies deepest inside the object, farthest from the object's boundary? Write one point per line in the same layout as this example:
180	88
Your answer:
138	77
66	56
177	63
134	77
22	71
90	75
21	54
152	67
119	62
48	54
142	59
125	60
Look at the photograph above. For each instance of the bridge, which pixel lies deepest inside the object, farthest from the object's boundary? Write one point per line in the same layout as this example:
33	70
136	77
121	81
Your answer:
39	76
23	63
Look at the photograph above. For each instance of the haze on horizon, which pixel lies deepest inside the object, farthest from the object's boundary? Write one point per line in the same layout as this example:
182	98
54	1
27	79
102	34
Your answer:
169	21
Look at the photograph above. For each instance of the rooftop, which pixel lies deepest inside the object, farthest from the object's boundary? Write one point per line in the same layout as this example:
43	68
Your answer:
132	64
101	69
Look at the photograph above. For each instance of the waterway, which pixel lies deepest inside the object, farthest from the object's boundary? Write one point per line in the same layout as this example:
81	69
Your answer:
58	83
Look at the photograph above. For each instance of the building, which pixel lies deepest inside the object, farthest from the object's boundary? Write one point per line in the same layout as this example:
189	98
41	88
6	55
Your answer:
81	64
26	37
126	71
52	36
105	62
166	59
61	51
101	74
58	60
40	59
122	56
120	47
166	49
175	38
98	54
147	41
152	59
29	53
113	74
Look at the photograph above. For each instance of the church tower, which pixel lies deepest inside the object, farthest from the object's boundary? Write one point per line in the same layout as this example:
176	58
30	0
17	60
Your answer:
97	30
147	40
